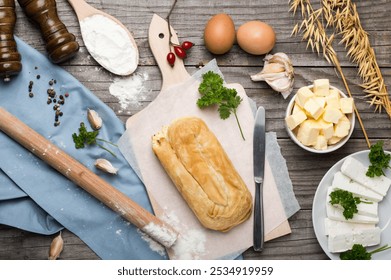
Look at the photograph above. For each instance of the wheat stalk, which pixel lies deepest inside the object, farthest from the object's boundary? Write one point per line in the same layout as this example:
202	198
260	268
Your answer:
343	15
314	32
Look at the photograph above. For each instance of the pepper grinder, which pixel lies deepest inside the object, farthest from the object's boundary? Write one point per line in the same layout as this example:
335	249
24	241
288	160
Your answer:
60	44
9	56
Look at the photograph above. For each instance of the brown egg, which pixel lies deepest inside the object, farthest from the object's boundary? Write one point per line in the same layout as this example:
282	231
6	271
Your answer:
256	37
219	34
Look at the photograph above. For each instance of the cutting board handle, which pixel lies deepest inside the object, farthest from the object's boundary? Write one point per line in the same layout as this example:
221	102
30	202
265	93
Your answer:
158	38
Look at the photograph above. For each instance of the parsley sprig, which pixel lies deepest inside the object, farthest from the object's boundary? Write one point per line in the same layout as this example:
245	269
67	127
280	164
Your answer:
347	201
359	252
89	138
215	93
379	160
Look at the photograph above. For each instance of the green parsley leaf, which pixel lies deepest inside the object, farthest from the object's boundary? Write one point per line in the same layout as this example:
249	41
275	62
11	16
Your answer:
88	138
379	160
359	252
213	92
84	137
347	201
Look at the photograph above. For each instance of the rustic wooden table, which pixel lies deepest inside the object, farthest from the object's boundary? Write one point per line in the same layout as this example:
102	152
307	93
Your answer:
189	18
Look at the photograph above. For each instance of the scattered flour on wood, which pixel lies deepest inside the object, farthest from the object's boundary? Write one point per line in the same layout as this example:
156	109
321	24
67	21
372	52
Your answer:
190	244
129	90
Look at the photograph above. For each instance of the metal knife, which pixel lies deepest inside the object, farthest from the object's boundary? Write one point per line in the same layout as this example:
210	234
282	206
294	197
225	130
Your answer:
259	143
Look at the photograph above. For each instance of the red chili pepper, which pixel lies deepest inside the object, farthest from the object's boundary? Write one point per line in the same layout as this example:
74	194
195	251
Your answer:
186	45
171	58
181	53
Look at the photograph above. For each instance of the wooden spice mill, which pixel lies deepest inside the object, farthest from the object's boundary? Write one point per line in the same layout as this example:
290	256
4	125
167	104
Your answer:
60	44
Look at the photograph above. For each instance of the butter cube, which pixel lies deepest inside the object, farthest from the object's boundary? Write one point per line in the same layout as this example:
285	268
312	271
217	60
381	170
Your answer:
332	114
308	132
346	105
302	96
342	128
334	92
333	101
326	129
296	108
320	100
333	140
321	87
295	119
313	108
321	143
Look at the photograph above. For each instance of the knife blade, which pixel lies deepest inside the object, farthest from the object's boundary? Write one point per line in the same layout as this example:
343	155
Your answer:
259	150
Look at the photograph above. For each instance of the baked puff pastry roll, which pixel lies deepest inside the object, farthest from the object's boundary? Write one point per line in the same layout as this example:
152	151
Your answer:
202	172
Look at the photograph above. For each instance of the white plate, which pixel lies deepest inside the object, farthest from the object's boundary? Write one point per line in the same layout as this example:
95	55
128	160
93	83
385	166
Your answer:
319	210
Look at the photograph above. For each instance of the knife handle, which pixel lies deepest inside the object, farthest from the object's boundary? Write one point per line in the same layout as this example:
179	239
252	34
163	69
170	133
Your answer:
258	218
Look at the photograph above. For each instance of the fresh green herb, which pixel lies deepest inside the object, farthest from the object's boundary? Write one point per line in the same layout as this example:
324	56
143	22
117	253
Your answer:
347	201
379	160
359	252
215	93
89	138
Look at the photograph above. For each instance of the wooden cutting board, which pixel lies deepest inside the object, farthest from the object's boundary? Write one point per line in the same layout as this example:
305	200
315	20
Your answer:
142	126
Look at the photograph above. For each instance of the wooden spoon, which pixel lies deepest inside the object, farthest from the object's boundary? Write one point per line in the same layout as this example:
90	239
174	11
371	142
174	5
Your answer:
83	11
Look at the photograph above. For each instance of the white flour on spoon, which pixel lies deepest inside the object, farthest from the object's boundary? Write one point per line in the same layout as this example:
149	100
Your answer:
109	44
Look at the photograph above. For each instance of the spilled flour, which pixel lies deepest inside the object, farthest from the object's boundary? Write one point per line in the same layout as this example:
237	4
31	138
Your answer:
129	90
190	244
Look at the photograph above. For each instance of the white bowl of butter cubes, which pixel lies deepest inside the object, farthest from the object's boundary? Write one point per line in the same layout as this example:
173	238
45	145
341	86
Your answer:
320	118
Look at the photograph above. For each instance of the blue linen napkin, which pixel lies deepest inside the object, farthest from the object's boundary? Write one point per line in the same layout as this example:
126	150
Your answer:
104	231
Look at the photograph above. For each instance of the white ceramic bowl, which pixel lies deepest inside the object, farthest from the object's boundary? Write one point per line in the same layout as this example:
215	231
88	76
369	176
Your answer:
330	148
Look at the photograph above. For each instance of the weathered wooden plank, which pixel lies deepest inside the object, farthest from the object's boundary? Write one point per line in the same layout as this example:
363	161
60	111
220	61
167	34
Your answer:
301	244
189	18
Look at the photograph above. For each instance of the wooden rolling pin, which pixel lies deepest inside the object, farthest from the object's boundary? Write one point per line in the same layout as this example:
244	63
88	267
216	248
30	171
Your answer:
86	179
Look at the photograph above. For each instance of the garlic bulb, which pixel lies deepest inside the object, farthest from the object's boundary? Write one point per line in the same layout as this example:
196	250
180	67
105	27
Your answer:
105	165
56	247
278	73
94	119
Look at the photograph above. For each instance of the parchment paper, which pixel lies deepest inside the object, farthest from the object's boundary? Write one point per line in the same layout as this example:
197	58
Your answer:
180	101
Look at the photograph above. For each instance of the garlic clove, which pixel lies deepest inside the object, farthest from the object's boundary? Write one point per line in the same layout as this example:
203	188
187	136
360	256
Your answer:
56	247
94	119
106	166
277	72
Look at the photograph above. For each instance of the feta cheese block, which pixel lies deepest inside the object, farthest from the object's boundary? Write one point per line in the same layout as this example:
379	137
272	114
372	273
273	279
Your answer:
295	119
321	87
334	227
363	208
343	182
336	214
302	96
340	242
355	170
